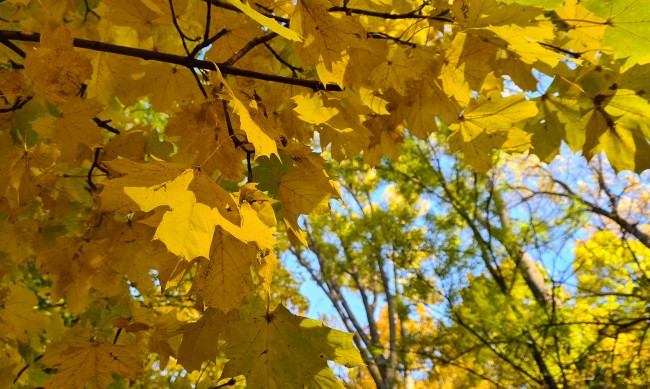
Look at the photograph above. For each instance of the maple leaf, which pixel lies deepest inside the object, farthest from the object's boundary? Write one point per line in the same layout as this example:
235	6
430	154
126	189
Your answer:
92	363
259	130
76	267
627	27
264	346
488	124
187	228
265	21
13	86
201	339
327	37
75	126
225	278
306	190
137	15
55	69
17	314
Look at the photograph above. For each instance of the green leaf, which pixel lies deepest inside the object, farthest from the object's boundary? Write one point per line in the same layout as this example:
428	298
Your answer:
282	350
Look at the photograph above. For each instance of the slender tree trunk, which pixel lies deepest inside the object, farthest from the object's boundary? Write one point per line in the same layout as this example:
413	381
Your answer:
391	360
525	263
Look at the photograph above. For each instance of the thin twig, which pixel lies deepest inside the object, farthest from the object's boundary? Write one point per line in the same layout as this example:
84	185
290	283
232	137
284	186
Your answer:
207	42
25	368
178	27
381	35
208	19
90	11
104	124
95	165
415	14
18	104
294	69
249	167
13	47
199	83
249	46
239	143
231	382
231	132
117	335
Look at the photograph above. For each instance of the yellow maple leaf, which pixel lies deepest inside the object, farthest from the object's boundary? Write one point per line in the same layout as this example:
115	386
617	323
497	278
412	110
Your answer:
310	109
196	206
306	190
12	87
489	123
167	85
138	15
267	22
258	128
483	13
187	228
28	174
75	126
76	267
397	71
264	267
225	278
55	69
260	202
327	38
201	340
17	314
93	364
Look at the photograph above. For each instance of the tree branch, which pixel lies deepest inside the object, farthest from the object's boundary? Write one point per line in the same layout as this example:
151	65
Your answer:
415	14
221	4
189	62
248	47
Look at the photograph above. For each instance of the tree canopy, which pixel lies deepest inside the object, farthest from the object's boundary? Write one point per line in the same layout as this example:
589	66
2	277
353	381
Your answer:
531	276
157	154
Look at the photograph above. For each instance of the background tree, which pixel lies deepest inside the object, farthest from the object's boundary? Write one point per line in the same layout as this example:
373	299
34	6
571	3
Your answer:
472	306
149	148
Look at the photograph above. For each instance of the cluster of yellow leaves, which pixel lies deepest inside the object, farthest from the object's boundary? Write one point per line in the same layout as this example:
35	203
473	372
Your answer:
98	208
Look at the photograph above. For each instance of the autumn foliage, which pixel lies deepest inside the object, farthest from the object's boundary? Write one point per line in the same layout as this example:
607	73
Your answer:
155	154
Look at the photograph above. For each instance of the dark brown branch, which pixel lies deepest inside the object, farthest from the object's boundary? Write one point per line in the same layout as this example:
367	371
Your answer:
95	165
117	335
208	20
568	53
249	46
189	62
25	368
90	11
381	35
13	47
104	124
249	167
294	69
231	382
178	27
415	14
231	132
208	42
18	104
